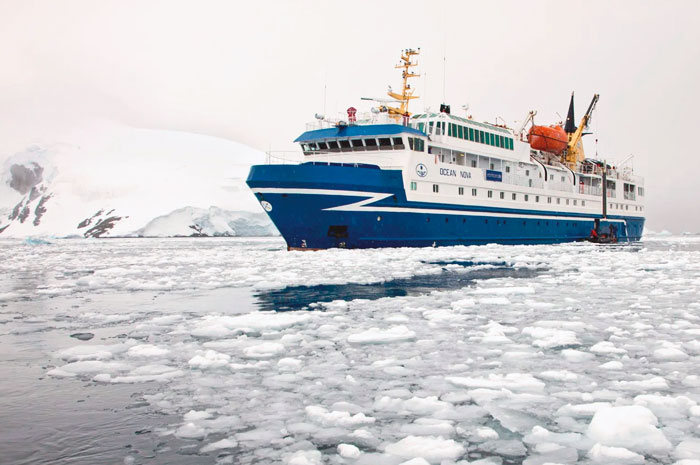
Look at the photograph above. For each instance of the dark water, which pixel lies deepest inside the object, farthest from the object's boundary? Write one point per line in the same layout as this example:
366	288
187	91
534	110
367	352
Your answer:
300	297
45	420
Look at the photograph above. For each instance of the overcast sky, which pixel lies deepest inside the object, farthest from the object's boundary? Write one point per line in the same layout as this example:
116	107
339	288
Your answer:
255	71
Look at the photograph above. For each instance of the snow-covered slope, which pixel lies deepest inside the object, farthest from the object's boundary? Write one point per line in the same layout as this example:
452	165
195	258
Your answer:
213	221
121	181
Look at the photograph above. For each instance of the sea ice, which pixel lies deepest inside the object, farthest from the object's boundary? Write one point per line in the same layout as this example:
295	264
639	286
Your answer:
614	455
432	449
379	336
632	427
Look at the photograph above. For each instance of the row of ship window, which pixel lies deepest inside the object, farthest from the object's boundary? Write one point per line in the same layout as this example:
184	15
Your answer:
526	197
354	145
470	134
502	195
620	206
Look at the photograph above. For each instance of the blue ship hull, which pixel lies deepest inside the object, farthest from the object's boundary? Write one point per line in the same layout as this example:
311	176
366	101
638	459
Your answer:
320	206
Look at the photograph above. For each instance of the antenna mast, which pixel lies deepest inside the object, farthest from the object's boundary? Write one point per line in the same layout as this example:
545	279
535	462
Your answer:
406	91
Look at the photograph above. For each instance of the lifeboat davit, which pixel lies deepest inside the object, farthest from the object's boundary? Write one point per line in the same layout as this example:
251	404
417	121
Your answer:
548	138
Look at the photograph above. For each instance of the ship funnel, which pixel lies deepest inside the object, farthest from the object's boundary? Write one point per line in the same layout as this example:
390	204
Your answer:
570	126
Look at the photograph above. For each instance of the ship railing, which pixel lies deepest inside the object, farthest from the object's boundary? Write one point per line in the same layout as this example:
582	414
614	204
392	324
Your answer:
361	119
280	157
590	190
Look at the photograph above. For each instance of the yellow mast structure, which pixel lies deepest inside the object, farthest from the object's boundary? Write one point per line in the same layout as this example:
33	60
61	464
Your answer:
574	151
406	92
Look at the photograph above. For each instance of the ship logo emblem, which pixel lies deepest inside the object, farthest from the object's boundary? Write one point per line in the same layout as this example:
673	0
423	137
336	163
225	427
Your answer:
421	170
266	205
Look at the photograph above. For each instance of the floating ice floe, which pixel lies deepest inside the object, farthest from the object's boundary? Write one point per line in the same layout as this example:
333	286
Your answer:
383	336
633	427
432	449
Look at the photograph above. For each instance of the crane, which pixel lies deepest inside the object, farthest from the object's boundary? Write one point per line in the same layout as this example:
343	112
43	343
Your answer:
574	149
530	117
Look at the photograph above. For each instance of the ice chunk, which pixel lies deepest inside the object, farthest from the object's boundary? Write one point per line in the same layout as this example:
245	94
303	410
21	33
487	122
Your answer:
576	356
336	418
688	449
227	443
190	431
147	350
581	410
264	350
416	461
87	366
305	457
379	336
429	427
433	449
666	406
94	352
614	455
289	364
612	365
632	427
670	354
220	326
539	435
209	359
484	433
548	338
607	347
142	374
654	383
558	375
348	451
510	381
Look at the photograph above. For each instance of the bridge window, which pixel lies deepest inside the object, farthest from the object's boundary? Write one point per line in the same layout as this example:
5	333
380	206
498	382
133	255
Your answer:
333	145
398	143
322	146
384	142
371	144
344	145
357	144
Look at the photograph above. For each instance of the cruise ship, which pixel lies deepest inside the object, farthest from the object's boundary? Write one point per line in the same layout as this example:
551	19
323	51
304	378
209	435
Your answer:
396	179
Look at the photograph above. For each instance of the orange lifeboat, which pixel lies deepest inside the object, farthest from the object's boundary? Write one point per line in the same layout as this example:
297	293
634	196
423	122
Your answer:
548	138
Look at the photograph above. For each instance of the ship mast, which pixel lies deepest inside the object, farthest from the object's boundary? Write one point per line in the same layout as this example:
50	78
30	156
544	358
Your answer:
406	92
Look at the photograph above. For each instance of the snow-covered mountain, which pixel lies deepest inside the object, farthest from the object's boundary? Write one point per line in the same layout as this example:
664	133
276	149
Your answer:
121	181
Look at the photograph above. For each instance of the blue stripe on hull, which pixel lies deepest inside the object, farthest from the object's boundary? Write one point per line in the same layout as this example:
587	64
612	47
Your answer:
304	221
